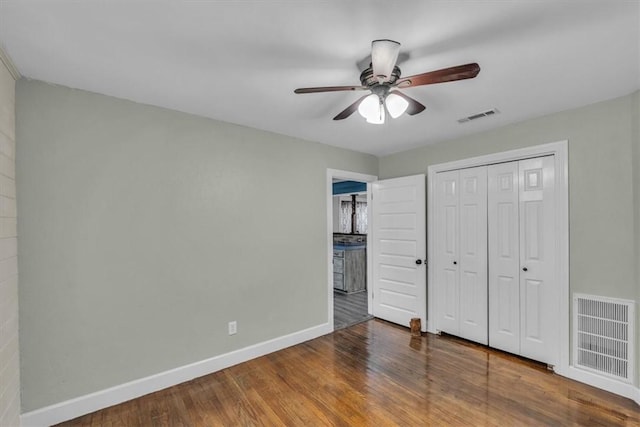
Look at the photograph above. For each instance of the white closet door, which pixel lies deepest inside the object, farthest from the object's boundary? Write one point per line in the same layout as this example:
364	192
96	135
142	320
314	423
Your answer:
539	295
472	264
504	257
446	257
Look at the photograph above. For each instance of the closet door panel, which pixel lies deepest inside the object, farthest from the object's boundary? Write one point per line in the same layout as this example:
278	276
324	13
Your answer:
447	237
504	258
539	296
473	254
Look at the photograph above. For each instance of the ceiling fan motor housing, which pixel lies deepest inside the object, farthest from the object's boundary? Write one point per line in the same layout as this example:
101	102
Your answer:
368	79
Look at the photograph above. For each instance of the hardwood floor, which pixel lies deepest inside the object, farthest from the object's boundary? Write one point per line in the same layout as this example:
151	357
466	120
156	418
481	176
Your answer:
375	374
349	309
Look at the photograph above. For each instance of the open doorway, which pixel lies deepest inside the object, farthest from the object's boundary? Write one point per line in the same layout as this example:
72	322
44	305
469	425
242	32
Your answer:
350	230
349	255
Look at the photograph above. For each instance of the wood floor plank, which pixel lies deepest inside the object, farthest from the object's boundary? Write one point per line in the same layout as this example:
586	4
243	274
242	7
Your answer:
375	373
349	309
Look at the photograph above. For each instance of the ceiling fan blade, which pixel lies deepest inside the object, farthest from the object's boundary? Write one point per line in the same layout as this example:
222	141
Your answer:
461	72
350	109
414	106
384	55
328	89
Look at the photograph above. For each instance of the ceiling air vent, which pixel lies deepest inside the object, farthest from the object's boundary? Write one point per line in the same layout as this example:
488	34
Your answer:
479	115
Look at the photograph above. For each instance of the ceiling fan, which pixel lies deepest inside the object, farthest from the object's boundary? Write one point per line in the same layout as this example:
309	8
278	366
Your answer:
382	79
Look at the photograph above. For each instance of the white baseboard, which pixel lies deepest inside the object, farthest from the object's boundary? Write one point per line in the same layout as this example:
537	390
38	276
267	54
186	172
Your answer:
604	383
83	405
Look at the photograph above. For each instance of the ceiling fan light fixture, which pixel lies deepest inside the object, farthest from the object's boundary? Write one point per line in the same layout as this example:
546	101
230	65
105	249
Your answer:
378	119
383	76
396	105
372	109
384	55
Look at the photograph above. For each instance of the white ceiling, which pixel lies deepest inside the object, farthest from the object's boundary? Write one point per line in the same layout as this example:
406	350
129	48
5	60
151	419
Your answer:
239	61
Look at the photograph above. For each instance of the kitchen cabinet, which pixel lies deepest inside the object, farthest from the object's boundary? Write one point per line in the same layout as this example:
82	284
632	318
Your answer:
349	268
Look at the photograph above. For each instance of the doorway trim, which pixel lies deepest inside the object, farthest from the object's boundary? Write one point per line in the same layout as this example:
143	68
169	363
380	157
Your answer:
560	152
352	176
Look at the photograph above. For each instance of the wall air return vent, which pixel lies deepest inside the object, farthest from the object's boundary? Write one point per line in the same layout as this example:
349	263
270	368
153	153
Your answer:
604	336
479	115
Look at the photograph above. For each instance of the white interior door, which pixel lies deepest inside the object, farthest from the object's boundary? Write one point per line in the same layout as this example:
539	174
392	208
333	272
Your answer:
504	257
523	296
399	243
539	293
447	279
461	253
473	254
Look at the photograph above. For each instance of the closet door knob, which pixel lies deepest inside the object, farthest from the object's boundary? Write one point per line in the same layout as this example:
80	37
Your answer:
455	262
418	261
525	269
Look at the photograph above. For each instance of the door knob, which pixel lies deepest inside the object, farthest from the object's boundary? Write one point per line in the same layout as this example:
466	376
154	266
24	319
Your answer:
525	269
455	262
418	261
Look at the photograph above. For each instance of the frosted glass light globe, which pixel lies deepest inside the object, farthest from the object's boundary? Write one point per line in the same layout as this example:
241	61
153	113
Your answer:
396	105
371	109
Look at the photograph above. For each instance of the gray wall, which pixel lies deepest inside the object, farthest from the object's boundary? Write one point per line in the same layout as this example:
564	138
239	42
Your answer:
144	231
9	354
602	172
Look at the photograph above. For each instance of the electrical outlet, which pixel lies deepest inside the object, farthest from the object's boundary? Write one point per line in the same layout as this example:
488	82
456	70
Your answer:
233	328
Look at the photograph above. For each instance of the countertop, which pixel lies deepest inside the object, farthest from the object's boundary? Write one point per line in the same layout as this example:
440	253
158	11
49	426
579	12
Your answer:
349	246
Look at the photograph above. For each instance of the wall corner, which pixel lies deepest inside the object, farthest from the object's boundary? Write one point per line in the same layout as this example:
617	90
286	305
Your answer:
8	63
